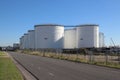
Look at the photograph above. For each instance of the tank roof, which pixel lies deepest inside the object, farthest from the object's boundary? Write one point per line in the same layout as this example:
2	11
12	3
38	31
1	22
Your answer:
30	30
70	29
26	34
83	25
47	25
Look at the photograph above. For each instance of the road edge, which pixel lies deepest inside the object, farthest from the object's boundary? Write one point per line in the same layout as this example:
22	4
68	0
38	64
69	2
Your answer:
26	75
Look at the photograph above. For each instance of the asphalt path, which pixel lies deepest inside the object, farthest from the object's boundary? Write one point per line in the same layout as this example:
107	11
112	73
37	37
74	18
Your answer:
44	68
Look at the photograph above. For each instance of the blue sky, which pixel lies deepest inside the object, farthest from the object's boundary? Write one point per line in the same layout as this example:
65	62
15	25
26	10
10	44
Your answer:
19	16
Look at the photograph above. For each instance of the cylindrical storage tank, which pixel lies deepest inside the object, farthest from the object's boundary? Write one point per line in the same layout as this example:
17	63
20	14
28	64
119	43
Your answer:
49	36
101	39
21	42
87	36
70	38
26	42
31	39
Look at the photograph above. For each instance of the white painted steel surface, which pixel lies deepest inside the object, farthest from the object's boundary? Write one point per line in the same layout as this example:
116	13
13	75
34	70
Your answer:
26	44
87	36
22	42
70	38
101	39
49	36
16	45
31	39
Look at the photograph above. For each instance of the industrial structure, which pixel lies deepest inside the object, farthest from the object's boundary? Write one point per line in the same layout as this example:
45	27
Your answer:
70	38
87	36
49	36
16	45
53	36
101	40
31	39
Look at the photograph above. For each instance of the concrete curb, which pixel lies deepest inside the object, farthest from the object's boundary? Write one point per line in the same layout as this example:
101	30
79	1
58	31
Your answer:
26	75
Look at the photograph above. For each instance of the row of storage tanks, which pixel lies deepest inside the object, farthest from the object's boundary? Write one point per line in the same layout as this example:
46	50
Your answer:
57	37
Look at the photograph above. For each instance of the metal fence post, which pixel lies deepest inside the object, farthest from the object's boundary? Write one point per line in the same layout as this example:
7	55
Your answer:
119	57
106	58
77	54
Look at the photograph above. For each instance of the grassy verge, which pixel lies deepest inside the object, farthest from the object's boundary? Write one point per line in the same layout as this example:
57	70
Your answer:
2	54
73	58
109	64
8	70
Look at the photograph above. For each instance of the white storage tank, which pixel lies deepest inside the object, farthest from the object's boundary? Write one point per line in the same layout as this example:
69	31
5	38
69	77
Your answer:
21	43
31	39
49	36
101	39
20	40
87	36
16	45
70	38
26	42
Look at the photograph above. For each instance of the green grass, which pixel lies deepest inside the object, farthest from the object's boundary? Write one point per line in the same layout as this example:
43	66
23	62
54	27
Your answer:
73	58
2	53
8	70
109	64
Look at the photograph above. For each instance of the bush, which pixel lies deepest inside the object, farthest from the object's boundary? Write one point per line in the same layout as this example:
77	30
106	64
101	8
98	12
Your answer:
0	48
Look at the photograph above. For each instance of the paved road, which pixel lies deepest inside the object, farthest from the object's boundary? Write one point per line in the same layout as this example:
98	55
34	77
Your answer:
53	69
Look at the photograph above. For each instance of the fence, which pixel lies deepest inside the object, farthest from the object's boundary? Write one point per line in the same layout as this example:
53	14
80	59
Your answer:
87	56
